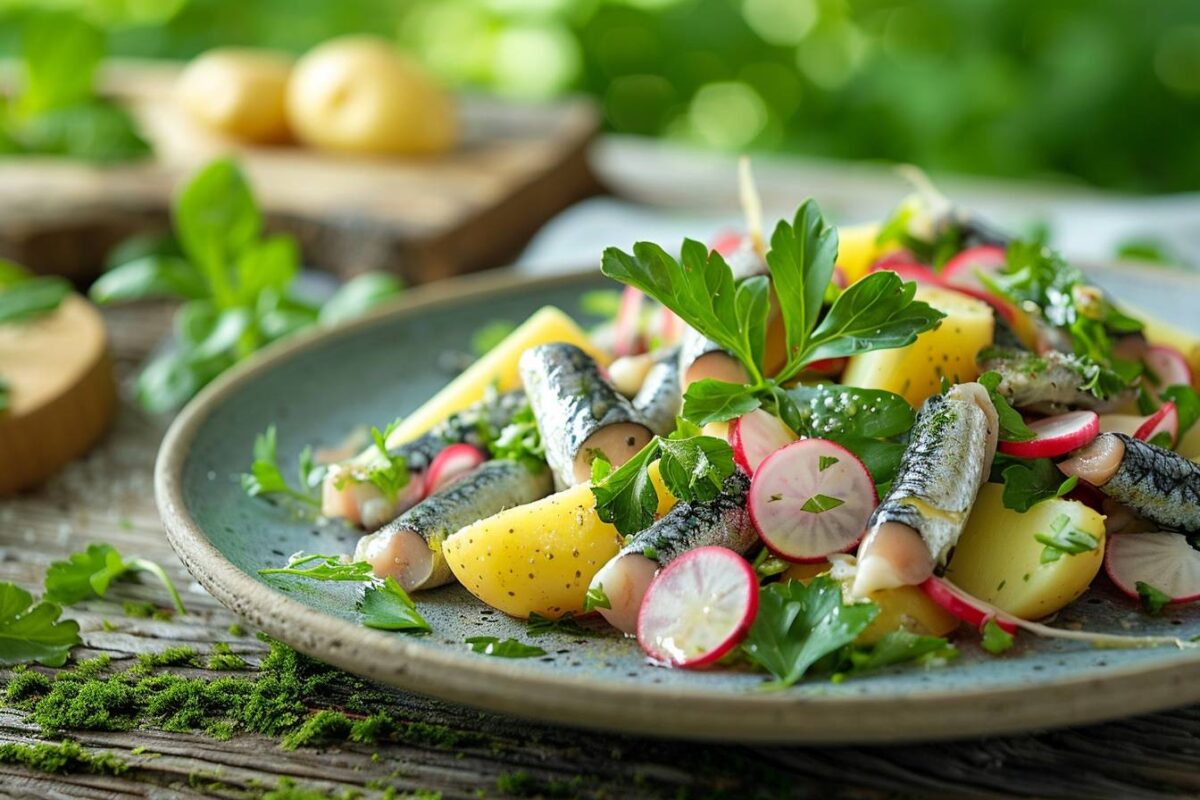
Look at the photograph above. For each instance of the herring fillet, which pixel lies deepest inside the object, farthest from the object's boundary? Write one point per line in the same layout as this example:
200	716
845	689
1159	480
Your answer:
1160	485
492	487
660	399
722	521
578	412
1049	383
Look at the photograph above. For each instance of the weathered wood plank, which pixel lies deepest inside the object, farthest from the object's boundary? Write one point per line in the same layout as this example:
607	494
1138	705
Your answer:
107	497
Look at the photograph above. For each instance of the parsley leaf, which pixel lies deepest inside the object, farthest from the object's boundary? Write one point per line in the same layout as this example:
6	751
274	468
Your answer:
596	598
320	567
521	441
819	503
1064	540
1012	424
995	639
1028	482
87	574
710	400
385	605
1187	404
627	497
1152	599
33	632
266	478
896	647
801	260
389	473
539	625
506	648
797	625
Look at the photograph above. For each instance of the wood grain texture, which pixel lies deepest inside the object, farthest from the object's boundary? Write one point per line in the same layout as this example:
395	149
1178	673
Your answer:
516	166
106	496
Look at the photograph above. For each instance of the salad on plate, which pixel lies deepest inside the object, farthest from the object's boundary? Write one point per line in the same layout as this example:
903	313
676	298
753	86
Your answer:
819	452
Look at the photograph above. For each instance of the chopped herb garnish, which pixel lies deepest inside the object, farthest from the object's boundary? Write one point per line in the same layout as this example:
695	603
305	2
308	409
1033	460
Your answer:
819	503
539	625
1065	540
896	647
767	565
995	639
265	478
1012	424
825	462
521	441
320	567
1028	482
596	598
1153	600
87	574
389	473
385	605
506	648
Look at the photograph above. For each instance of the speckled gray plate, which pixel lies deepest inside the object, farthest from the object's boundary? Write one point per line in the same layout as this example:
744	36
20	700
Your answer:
316	388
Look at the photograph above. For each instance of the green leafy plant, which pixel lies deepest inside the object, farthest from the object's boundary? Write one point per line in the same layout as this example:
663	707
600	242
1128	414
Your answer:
503	648
88	574
57	111
33	631
1028	482
995	639
25	297
321	567
385	605
266	479
236	283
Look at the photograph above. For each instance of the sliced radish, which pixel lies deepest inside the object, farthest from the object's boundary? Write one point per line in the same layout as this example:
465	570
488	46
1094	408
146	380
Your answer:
958	603
698	608
908	270
451	464
810	499
1002	307
755	436
963	270
627	329
670	326
1056	436
1168	365
1165	561
829	367
1165	420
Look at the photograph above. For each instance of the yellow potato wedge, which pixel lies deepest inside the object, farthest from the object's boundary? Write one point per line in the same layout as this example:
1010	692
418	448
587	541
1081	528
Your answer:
999	560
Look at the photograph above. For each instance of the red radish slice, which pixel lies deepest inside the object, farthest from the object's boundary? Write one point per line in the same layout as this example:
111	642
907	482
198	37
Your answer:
670	326
698	608
839	278
828	367
755	436
726	243
627	328
1165	561
1003	308
963	270
1165	420
908	270
958	603
1056	436
1168	365
810	499
451	464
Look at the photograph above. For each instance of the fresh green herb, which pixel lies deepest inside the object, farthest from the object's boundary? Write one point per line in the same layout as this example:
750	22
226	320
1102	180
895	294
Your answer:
490	335
601	468
320	567
567	624
798	625
820	503
521	441
693	468
1152	599
266	478
1012	424
4	395
1187	405
58	111
1146	249
25	297
766	565
995	639
1028	482
33	631
237	283
88	574
896	647
946	237
877	312
385	605
825	462
595	598
1064	540
506	648
388	473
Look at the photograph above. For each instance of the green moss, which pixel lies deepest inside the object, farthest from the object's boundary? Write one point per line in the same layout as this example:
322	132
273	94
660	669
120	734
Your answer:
61	758
236	630
321	728
180	656
107	625
223	658
90	704
87	669
138	610
24	686
519	783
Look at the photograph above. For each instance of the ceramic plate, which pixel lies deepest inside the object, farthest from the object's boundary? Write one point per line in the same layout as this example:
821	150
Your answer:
316	388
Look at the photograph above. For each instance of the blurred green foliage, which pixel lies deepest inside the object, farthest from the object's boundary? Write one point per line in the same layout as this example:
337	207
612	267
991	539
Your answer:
1107	91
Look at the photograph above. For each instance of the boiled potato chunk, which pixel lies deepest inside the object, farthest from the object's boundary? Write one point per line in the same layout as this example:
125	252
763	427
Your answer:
539	557
238	92
498	368
358	94
999	560
906	608
915	372
857	249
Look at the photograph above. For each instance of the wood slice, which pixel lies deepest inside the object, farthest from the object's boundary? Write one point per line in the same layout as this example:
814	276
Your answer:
515	166
62	393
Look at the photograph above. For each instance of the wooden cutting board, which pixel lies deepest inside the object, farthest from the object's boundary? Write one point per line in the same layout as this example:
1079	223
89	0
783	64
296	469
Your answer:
515	167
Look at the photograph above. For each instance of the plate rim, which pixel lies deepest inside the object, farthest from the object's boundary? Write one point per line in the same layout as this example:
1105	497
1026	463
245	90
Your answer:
658	710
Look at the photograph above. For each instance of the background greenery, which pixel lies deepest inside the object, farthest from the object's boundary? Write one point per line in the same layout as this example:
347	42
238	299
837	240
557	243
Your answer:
1103	91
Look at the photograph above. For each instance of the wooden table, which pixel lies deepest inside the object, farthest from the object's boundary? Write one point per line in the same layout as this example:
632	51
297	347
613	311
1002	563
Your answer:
108	497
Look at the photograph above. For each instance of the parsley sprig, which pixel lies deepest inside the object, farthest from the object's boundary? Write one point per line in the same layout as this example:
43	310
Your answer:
322	567
265	477
877	312
87	574
1064	540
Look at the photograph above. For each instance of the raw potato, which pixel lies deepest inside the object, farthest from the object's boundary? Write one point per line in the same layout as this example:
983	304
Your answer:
358	94
541	556
238	92
498	368
916	371
998	560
